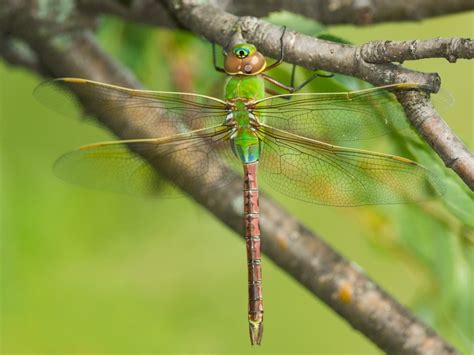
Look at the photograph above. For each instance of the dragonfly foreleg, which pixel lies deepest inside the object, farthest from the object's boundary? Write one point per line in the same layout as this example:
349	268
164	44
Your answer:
282	52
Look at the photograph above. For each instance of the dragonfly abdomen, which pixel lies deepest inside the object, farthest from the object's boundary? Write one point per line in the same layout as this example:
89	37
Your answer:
252	237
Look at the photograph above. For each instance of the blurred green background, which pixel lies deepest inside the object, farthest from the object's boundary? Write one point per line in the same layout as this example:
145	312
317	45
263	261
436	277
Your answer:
93	272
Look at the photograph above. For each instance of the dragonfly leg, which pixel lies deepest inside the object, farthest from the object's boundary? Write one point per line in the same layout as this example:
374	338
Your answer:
282	52
291	88
277	83
280	85
272	92
307	81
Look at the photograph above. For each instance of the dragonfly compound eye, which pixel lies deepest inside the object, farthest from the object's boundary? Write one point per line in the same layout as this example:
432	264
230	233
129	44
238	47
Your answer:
241	53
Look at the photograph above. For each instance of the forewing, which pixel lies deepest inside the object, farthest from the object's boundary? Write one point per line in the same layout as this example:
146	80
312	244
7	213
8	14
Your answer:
170	111
335	117
129	166
320	173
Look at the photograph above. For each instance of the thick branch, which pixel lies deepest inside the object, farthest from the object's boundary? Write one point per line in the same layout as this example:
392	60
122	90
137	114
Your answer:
358	12
399	51
340	284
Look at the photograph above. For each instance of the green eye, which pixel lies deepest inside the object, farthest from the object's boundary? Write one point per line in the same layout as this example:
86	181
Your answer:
243	50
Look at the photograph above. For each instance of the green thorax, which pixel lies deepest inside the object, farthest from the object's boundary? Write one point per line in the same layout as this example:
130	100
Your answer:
246	87
241	89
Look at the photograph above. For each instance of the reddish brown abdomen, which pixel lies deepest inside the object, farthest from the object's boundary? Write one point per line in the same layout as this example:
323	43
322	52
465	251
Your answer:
252	237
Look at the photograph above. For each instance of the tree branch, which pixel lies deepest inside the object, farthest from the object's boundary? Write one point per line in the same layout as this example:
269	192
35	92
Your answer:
324	272
439	136
399	51
357	12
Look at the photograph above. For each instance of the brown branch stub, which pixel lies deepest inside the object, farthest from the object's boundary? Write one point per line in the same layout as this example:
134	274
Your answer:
437	133
399	51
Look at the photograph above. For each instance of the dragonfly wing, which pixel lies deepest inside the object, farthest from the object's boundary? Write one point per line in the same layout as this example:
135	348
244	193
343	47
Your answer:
335	117
128	166
171	112
320	173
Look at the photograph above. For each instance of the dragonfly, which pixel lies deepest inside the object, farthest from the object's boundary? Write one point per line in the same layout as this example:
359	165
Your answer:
292	139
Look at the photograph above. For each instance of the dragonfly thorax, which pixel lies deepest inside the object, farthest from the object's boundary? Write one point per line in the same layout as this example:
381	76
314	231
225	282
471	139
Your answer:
240	90
244	87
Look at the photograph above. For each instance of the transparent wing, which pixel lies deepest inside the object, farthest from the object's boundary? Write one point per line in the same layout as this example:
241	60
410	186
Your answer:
335	117
127	166
170	111
320	173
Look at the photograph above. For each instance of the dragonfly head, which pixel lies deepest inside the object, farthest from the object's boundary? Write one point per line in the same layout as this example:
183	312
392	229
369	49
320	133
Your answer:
244	59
